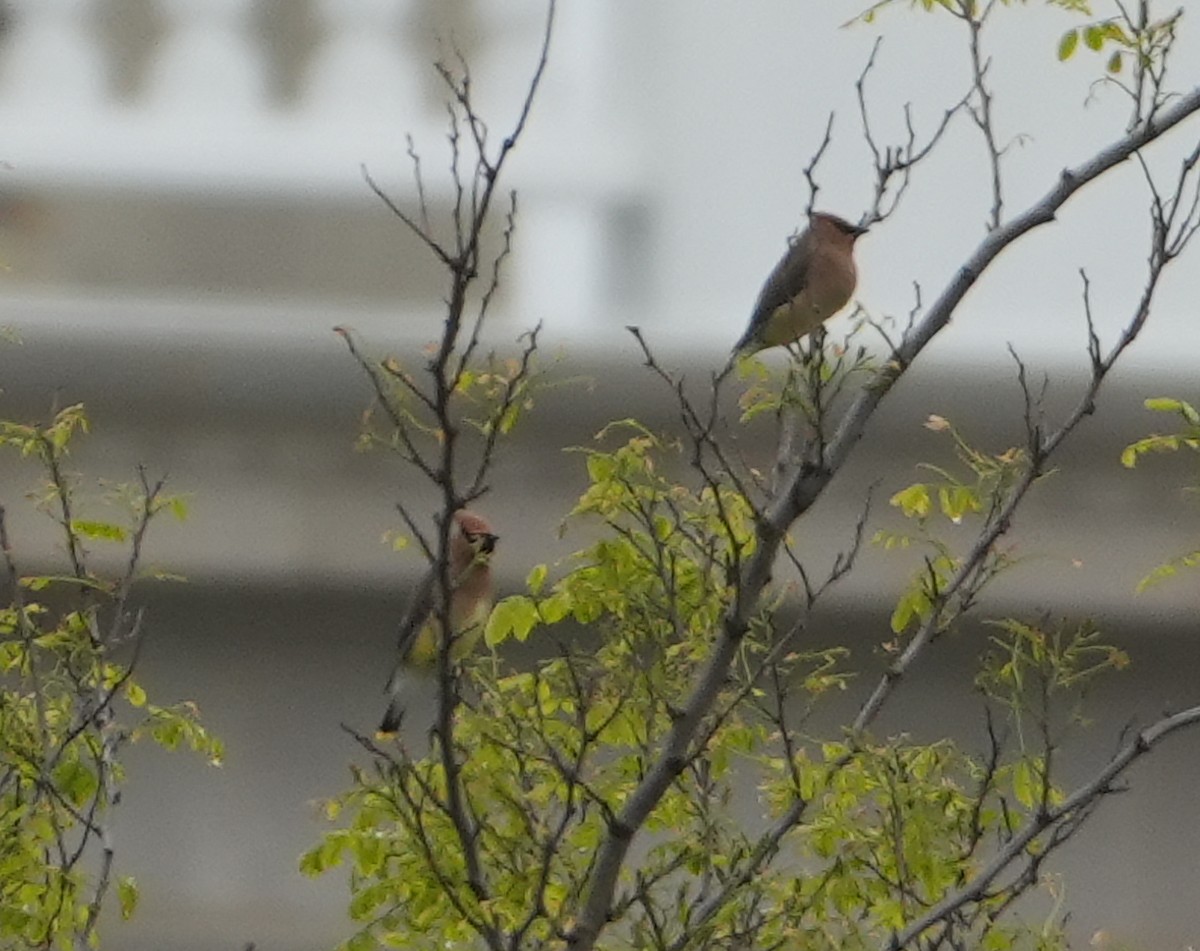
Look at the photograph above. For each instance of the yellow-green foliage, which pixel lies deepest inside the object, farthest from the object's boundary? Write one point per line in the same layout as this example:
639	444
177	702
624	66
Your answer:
68	703
968	496
1188	437
548	756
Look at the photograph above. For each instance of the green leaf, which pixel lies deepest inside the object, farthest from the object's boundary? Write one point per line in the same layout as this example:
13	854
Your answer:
1156	443
512	617
135	694
556	607
41	582
324	856
1115	62
397	540
127	894
75	781
1067	45
956	500
912	606
1164	404
1169	570
360	941
536	579
168	732
600	467
12	654
509	418
914	501
1093	36
102	531
368	899
1026	786
889	540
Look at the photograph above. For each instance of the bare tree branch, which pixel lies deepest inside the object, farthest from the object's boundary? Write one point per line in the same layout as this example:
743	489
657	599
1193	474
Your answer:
805	484
801	488
1082	798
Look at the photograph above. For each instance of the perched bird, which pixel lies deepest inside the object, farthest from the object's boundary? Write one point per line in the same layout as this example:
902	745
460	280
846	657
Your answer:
812	282
471	594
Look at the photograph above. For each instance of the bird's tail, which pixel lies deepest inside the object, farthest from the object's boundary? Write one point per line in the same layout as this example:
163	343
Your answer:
746	347
411	692
748	343
392	719
397	691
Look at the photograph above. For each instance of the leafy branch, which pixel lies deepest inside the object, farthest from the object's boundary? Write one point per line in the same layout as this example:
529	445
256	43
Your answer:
65	668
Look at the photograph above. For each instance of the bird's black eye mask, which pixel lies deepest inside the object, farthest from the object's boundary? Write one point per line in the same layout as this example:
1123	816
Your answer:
484	541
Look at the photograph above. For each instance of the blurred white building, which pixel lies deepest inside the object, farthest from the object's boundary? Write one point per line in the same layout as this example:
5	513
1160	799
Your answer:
184	217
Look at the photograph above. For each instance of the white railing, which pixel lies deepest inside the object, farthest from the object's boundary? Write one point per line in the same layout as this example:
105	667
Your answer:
202	122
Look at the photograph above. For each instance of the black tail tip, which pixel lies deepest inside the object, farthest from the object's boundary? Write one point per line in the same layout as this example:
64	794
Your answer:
391	721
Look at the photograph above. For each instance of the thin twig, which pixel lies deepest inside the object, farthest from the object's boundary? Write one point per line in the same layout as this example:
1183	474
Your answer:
1082	798
800	490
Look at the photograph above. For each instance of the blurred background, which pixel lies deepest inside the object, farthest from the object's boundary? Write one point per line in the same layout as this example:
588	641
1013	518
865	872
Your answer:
183	219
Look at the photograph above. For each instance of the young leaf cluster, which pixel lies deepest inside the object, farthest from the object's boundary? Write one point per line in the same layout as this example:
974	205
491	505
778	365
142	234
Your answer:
599	797
972	495
549	755
70	703
1187	437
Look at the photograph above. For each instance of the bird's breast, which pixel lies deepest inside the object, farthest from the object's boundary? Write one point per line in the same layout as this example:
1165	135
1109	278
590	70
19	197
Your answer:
831	281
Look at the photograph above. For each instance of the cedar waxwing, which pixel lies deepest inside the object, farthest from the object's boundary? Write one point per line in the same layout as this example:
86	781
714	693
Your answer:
812	282
471	595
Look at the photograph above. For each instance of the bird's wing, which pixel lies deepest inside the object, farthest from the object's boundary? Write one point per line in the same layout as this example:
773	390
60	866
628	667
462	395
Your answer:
418	623
419	608
788	279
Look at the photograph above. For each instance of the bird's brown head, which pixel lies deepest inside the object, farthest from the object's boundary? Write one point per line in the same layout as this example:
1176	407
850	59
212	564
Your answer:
834	228
476	531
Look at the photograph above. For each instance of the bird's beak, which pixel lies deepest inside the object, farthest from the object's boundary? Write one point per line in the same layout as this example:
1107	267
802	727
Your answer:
487	543
858	231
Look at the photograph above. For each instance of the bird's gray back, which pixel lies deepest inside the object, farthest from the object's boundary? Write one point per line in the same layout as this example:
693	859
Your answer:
788	279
